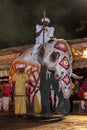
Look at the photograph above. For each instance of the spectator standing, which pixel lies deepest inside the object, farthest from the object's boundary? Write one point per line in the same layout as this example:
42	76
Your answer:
83	104
76	89
19	78
0	96
82	88
6	96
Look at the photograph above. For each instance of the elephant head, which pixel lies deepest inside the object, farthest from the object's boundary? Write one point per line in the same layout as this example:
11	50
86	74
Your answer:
57	56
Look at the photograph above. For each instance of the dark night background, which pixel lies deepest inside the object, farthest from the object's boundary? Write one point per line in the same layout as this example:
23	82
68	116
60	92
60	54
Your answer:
19	17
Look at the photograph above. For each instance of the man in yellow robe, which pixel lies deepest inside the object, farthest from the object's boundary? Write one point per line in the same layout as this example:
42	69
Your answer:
20	78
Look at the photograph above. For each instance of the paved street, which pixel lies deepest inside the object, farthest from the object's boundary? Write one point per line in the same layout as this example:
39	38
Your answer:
73	121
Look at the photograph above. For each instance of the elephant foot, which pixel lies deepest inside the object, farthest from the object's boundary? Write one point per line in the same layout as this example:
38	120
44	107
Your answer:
47	115
62	111
32	114
63	107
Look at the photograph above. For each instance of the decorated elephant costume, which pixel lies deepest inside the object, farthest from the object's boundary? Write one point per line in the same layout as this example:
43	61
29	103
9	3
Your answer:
49	69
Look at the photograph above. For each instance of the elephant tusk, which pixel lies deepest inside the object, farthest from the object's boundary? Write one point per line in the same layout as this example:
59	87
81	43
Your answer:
76	76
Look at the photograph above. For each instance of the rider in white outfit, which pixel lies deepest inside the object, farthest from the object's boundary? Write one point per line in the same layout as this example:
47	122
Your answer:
43	33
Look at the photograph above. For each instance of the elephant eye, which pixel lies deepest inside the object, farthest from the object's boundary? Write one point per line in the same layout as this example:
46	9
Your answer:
65	87
69	87
54	56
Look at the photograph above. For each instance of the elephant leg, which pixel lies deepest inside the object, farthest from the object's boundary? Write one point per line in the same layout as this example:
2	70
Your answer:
30	107
45	102
45	91
64	106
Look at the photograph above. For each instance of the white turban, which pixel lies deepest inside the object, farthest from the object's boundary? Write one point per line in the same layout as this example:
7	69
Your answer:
45	19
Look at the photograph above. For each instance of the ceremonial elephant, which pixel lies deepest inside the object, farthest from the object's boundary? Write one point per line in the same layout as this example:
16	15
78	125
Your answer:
49	71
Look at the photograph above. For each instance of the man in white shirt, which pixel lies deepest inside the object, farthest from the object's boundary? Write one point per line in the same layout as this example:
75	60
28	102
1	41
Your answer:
43	33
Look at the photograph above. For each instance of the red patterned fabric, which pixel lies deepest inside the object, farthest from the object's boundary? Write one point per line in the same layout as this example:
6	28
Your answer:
82	90
29	89
6	90
64	63
61	45
66	79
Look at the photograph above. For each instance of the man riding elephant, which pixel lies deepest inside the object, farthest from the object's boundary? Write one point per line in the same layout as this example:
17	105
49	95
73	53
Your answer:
43	33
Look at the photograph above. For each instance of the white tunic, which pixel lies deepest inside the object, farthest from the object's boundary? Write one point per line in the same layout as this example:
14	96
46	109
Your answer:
48	32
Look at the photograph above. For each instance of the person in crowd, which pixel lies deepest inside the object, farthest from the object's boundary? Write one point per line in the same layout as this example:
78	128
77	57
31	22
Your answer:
83	104
82	88
72	95
76	89
19	79
0	96
44	33
82	93
6	95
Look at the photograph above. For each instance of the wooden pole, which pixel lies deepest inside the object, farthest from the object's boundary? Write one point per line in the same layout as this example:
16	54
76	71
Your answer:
44	14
